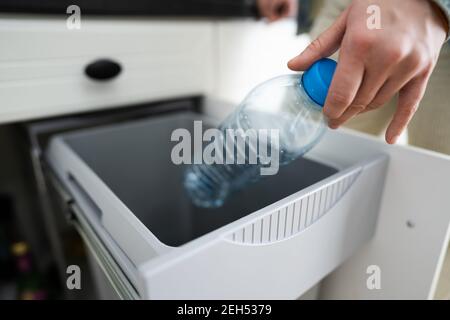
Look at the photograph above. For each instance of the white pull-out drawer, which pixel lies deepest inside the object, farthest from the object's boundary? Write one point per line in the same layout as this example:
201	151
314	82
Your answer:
275	239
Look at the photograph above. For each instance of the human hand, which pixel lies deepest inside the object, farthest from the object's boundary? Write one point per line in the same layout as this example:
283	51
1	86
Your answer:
376	64
274	10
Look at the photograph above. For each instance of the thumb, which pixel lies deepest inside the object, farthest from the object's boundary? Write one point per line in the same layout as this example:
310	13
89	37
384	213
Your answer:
325	45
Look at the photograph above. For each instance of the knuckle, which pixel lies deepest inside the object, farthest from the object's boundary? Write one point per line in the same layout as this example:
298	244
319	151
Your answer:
362	42
332	113
420	60
316	45
357	107
415	60
395	54
337	98
375	105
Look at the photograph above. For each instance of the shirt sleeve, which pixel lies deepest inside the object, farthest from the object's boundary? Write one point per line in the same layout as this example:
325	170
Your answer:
445	7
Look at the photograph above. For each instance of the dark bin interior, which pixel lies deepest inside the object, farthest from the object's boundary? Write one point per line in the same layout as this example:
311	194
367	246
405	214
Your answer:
134	160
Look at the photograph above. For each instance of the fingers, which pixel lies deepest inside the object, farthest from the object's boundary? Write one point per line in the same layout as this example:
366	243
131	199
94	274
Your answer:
375	64
345	84
291	8
325	45
398	80
263	8
282	8
380	83
347	115
371	84
274	10
387	92
408	102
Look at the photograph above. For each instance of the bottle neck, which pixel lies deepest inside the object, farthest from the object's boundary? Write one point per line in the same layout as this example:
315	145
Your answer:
306	99
313	103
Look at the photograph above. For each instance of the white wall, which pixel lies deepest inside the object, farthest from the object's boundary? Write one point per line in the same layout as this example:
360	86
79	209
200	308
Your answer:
249	52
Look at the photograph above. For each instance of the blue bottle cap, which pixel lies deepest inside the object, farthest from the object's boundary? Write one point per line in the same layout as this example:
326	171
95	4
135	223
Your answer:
317	79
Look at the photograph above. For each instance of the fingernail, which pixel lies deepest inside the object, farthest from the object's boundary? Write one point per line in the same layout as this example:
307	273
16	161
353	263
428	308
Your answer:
333	126
394	139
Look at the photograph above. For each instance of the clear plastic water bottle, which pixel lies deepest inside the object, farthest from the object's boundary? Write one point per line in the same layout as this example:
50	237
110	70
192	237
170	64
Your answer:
292	105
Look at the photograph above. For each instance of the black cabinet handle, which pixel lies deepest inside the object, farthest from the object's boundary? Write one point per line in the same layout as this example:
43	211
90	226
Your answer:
103	69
